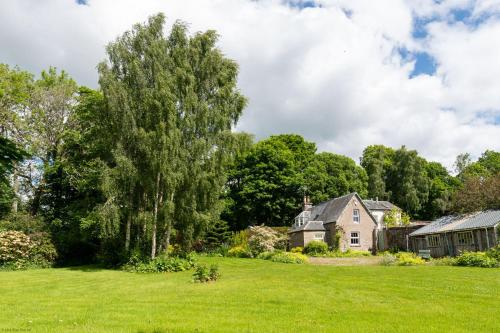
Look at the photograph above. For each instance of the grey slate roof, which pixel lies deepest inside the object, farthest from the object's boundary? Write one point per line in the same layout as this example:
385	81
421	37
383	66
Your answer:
310	226
486	219
329	211
378	205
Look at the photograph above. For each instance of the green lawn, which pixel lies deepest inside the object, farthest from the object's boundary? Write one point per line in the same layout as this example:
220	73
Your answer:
253	296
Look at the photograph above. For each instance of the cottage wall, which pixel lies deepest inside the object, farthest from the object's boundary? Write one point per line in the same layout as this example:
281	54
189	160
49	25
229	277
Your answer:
296	239
302	238
365	227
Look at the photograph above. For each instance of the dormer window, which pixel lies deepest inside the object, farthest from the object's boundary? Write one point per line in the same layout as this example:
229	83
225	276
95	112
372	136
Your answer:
355	216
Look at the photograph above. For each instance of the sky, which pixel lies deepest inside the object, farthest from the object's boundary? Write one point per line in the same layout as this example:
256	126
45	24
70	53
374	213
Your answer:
343	73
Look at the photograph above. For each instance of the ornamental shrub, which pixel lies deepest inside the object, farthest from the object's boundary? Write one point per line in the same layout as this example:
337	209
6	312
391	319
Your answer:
316	248
298	249
20	251
284	257
388	259
204	274
14	245
239	252
408	259
476	259
264	239
494	253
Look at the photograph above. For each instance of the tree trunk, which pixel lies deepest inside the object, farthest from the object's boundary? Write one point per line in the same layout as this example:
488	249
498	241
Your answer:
155	217
15	181
168	223
127	230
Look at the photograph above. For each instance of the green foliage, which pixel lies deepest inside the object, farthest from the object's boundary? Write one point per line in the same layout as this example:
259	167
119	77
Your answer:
160	264
267	183
315	248
284	257
396	217
20	251
477	259
204	274
347	254
402	259
408	259
298	249
494	253
239	252
181	100
240	238
217	234
264	239
444	261
477	193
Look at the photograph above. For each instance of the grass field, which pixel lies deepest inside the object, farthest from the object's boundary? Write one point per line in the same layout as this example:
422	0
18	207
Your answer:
253	296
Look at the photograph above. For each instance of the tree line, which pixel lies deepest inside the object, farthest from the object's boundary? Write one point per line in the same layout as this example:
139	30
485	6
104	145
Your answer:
150	158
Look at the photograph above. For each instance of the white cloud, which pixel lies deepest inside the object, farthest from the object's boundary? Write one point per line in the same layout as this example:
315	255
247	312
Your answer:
331	73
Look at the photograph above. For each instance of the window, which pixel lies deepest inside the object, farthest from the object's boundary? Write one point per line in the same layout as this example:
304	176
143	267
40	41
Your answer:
355	215
318	235
434	240
355	238
465	238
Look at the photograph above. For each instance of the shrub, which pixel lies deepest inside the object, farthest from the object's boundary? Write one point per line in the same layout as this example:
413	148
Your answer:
347	254
20	251
239	252
264	239
204	274
316	248
240	238
160	264
494	253
401	259
298	249
444	261
408	259
284	257
476	259
14	245
388	259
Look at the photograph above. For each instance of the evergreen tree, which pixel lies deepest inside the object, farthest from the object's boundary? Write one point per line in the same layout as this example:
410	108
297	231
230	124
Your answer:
218	234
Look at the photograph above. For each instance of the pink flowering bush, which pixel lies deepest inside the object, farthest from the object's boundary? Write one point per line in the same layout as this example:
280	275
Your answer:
264	239
18	250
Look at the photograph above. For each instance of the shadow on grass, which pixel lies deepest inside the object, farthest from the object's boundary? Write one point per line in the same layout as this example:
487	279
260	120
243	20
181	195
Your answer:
88	268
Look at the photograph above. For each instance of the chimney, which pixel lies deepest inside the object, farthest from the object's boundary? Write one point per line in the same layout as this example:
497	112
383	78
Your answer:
307	204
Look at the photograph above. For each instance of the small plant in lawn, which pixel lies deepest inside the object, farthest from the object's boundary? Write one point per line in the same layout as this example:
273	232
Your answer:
315	248
204	274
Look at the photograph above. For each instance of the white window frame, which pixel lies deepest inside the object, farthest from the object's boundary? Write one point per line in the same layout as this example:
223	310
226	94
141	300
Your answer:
354	216
319	236
434	240
465	238
358	238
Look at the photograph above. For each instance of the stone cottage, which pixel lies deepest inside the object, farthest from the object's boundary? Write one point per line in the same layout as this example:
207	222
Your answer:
345	222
